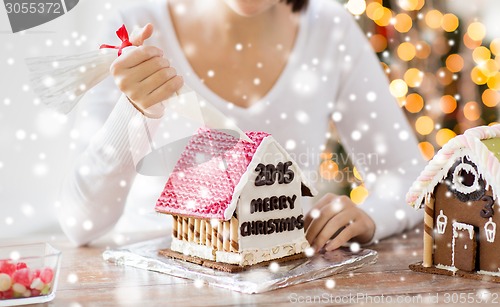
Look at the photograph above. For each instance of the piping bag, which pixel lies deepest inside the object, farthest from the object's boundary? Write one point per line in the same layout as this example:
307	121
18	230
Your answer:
61	81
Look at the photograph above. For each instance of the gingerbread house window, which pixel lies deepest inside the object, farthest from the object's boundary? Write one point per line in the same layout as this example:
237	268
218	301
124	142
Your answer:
465	182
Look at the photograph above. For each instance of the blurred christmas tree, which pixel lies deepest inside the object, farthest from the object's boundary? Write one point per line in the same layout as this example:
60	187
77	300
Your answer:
442	70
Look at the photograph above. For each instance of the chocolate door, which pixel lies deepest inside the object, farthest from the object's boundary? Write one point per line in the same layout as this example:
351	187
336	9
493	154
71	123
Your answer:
464	247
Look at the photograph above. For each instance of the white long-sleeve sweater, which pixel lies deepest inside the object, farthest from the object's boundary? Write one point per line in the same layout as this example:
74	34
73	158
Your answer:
332	73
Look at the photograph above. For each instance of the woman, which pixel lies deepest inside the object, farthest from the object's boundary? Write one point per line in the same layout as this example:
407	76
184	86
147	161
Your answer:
284	68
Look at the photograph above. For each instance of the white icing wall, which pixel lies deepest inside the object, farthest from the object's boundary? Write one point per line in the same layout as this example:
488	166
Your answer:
269	153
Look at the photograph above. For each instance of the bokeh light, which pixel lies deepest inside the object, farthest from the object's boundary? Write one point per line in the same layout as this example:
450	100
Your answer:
406	51
454	62
444	135
378	42
476	31
481	54
423	50
424	125
414	103
356	7
413	77
398	88
471	43
495	46
433	19
472	110
445	77
490	98
359	194
478	76
403	23
449	22
329	169
448	104
426	149
494	82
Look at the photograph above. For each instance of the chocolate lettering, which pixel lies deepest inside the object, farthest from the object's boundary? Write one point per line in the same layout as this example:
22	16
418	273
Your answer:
256	205
265	204
270	226
259	227
280	172
300	221
291	200
288	172
252	227
261	176
244	229
282	202
273	202
269	174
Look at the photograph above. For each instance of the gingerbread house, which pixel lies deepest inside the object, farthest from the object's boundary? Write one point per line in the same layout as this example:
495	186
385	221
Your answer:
235	201
459	191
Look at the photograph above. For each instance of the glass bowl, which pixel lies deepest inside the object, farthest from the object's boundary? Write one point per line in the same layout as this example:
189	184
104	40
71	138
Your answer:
28	273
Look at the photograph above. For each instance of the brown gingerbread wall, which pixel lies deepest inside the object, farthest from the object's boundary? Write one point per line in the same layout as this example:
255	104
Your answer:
469	213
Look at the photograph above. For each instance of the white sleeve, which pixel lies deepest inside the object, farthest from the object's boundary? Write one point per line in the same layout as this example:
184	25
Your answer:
96	186
377	136
97	182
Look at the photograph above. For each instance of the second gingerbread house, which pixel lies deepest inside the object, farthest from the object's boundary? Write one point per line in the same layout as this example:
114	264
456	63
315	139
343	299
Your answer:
459	191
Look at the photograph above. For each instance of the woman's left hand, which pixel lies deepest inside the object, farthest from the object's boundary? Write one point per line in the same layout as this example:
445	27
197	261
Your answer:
337	219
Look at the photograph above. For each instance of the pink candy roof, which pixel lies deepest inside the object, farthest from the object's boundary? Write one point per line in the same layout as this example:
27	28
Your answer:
486	160
204	179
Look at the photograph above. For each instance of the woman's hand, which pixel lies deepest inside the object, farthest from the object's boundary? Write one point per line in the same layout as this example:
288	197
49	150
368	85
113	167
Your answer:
337	219
143	74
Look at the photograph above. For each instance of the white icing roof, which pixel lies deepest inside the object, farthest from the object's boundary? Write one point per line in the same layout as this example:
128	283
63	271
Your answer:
469	144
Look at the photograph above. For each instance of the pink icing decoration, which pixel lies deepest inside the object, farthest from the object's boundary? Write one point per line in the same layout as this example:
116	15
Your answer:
203	180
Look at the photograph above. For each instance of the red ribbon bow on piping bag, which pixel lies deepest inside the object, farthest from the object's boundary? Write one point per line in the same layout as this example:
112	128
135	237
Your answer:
123	35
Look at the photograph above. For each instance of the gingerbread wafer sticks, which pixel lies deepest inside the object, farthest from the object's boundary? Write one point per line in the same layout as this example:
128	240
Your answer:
203	236
179	227
209	234
214	235
174	226
226	236
185	228
428	229
233	235
220	238
196	231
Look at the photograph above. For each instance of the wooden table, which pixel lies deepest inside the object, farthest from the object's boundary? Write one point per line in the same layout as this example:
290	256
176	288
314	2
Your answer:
86	280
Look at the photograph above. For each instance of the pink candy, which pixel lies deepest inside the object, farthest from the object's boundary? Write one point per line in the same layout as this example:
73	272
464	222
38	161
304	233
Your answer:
46	275
7	267
23	276
18	280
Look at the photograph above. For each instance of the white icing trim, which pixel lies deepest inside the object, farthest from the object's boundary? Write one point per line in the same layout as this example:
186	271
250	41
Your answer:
488	273
490	230
192	249
441	222
458	184
462	226
446	267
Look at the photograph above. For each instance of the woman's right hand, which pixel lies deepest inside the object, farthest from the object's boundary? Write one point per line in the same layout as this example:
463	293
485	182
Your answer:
143	74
